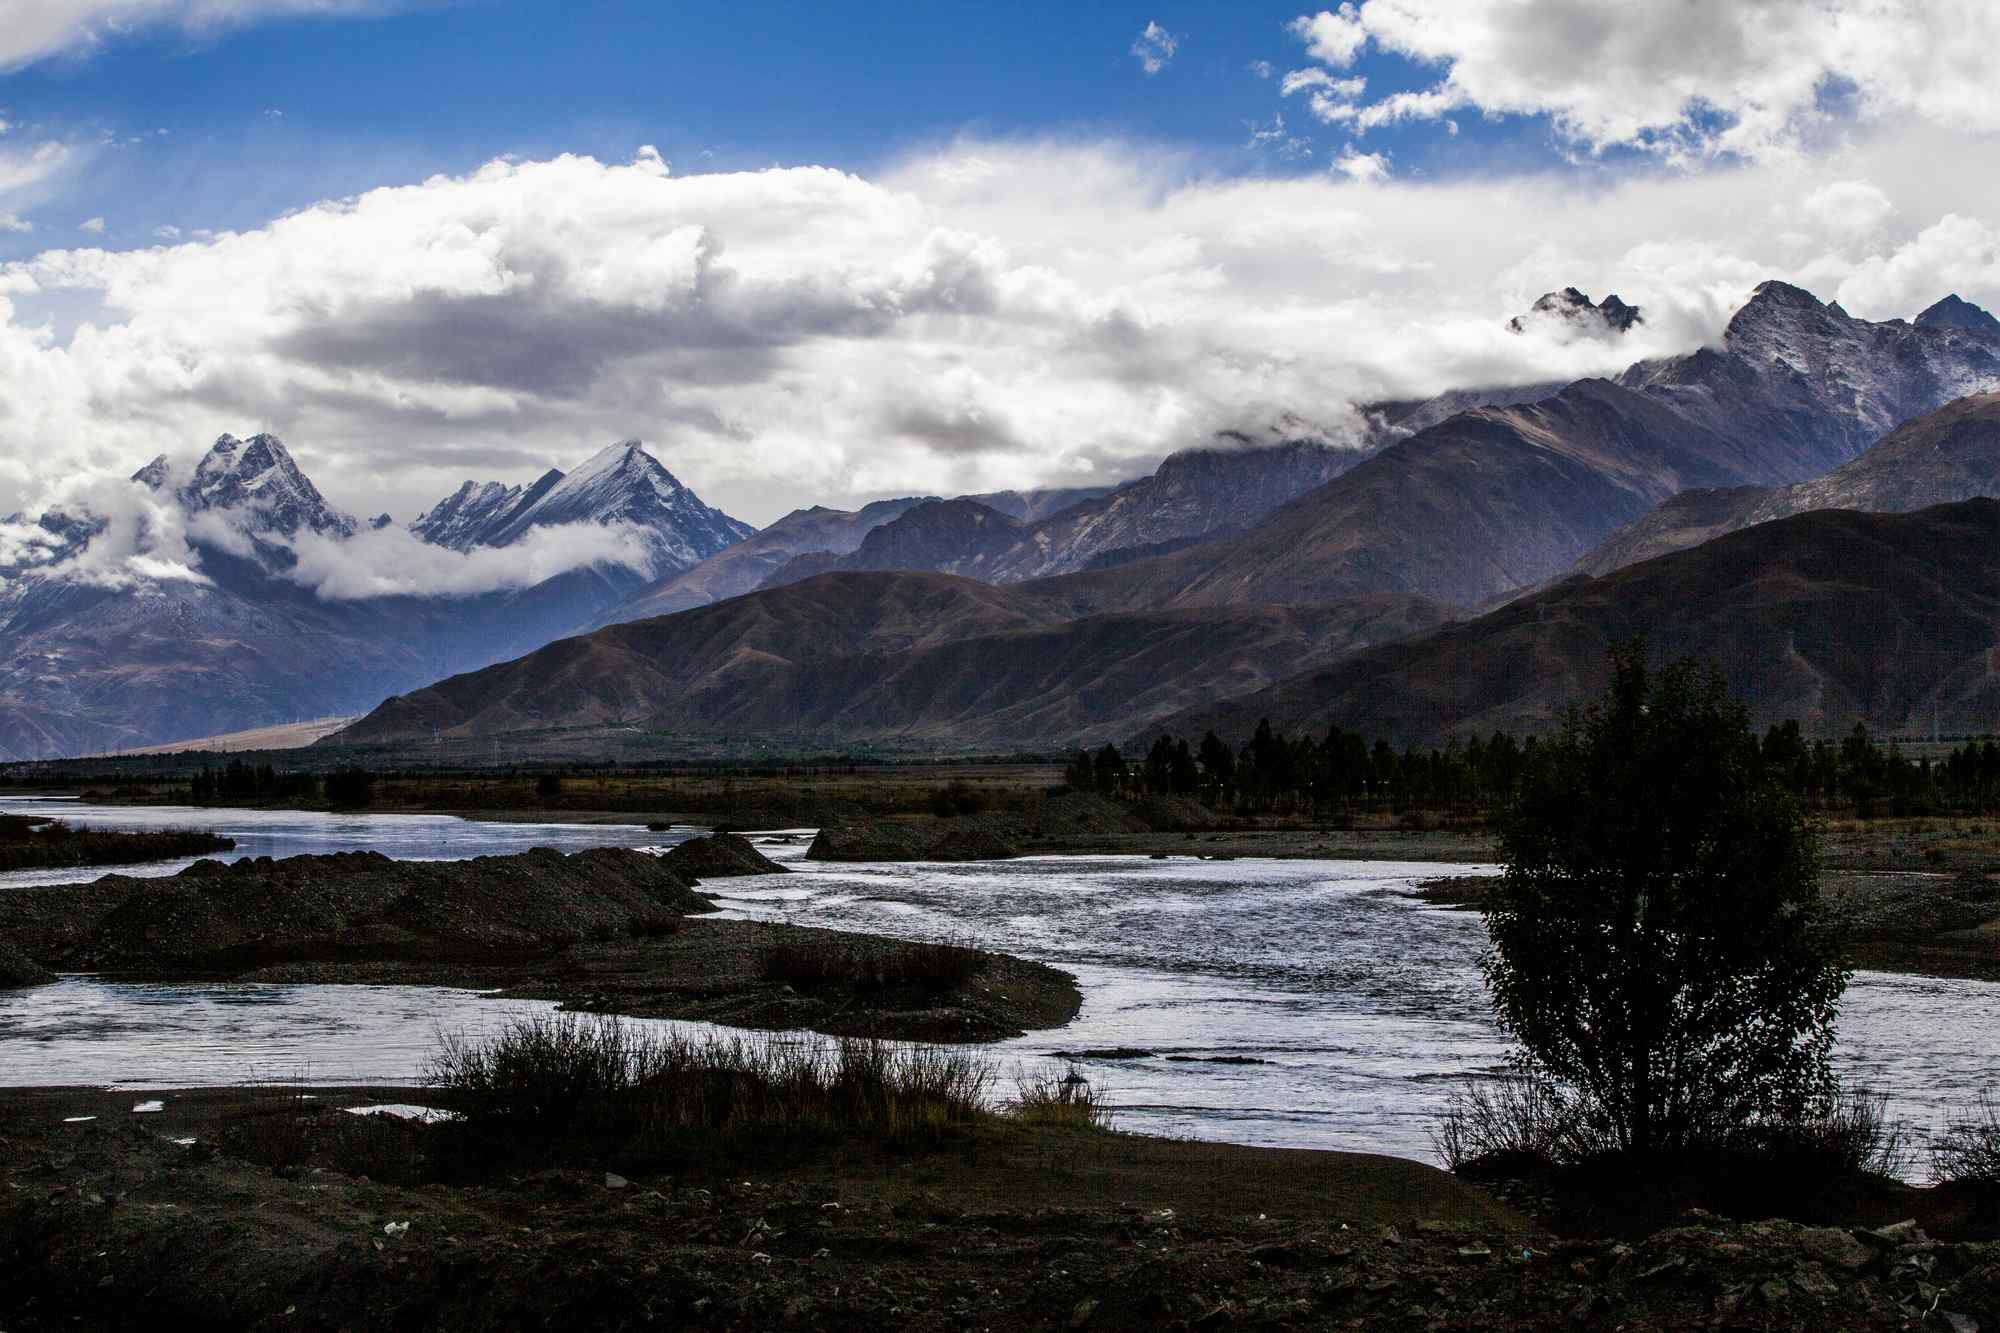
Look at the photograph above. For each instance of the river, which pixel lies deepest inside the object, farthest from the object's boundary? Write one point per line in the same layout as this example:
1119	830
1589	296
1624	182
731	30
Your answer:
1303	1003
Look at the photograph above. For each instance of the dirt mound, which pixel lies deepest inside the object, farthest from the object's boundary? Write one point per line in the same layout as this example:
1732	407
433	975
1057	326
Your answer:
18	971
217	918
720	856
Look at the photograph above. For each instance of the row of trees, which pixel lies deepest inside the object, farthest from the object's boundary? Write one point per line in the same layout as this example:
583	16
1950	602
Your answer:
238	783
1343	771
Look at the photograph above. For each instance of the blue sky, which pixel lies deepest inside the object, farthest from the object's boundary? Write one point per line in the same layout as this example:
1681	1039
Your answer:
270	116
817	254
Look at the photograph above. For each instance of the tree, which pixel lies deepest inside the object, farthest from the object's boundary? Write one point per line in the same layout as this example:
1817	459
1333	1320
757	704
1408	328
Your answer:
350	788
1081	775
1110	767
1660	948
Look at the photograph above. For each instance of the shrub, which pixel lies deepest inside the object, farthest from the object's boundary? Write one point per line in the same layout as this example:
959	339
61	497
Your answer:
547	1076
957	797
1968	1151
1539	1123
931	968
1068	1099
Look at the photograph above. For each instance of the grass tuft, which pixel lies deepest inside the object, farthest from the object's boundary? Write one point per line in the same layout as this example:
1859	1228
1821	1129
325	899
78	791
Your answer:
932	968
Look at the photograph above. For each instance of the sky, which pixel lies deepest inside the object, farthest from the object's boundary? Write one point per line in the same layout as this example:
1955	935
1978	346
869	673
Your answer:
825	254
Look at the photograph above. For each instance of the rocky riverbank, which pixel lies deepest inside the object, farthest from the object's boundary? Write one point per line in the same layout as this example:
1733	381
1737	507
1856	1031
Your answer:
236	1208
609	930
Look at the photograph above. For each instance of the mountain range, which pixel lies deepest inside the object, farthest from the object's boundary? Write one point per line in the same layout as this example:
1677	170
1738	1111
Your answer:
1828	617
1033	618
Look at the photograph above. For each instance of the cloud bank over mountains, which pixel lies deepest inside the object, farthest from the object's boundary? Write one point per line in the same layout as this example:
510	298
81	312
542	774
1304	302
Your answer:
987	314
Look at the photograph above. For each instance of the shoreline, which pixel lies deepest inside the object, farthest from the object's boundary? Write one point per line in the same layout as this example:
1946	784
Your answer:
250	1207
606	930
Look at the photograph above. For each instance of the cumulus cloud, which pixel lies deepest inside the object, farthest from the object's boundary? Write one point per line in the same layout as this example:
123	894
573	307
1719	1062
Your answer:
37	29
1848	209
1154	48
94	226
1362	167
978	316
1332	37
1687	79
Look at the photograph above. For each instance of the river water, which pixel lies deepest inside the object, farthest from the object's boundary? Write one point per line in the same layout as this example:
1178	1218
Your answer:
1278	1002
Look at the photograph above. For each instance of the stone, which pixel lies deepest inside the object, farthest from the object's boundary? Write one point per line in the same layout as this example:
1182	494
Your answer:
1835	1248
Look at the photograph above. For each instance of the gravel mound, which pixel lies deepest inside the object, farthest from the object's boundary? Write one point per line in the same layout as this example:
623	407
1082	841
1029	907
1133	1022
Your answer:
18	971
358	905
720	856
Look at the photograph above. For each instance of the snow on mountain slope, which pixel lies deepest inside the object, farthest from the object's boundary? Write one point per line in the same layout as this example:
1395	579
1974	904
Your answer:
621	484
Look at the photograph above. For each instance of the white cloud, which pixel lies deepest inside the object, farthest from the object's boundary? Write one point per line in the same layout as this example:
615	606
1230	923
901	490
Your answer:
1685	79
389	562
15	222
1848	209
1277	139
37	29
1331	37
1330	100
167	232
1263	69
1154	48
982	315
95	226
1362	167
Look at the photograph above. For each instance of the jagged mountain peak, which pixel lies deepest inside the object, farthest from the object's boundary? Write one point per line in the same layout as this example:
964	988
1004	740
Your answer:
1954	312
1570	313
258	476
623	483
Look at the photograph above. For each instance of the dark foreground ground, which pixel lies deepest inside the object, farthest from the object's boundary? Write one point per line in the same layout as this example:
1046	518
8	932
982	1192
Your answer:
373	1223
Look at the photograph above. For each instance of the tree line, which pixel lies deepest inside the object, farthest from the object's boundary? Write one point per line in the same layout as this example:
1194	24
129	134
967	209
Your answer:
238	783
1344	771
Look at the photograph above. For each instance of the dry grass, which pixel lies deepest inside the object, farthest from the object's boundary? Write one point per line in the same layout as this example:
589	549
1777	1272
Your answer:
932	968
1068	1099
1968	1151
564	1074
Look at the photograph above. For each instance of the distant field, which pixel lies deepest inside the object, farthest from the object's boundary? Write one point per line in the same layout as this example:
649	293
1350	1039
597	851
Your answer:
287	736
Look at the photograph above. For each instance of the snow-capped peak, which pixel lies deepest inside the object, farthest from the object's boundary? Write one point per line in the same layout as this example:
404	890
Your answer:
258	477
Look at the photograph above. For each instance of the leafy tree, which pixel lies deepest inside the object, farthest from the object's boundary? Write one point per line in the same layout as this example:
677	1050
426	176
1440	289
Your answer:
1660	948
548	787
1218	765
1081	775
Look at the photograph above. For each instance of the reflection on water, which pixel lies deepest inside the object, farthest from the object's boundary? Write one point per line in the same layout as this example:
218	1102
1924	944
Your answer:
1346	1010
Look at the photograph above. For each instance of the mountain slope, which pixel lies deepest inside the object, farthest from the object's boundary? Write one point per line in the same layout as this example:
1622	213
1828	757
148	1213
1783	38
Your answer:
621	484
1828	617
1502	498
894	654
745	566
1195	493
1946	455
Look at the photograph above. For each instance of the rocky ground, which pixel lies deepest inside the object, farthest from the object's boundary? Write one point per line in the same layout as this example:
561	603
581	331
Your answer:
179	1219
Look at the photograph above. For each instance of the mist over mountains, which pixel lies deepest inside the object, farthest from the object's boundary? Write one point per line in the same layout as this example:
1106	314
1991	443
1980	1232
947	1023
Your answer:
227	592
